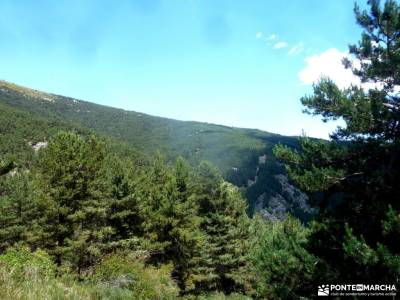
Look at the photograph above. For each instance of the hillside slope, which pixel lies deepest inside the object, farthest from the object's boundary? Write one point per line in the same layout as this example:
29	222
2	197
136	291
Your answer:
243	155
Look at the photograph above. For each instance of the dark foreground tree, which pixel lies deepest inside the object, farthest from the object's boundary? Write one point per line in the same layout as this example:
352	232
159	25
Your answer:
354	178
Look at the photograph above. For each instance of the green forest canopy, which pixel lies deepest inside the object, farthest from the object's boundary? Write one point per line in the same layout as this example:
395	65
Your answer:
90	217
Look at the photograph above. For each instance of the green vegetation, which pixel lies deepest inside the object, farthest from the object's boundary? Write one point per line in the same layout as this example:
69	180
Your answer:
234	151
86	215
31	275
281	260
354	178
153	230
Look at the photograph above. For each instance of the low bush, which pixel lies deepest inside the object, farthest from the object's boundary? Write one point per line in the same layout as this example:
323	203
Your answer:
130	272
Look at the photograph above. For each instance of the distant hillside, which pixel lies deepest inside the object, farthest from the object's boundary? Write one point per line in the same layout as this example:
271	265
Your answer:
243	155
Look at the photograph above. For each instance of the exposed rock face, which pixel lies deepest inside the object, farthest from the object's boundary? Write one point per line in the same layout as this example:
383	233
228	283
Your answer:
290	192
279	196
290	200
37	146
261	161
276	208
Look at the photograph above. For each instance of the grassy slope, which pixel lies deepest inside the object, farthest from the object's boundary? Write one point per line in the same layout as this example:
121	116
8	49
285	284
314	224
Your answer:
234	150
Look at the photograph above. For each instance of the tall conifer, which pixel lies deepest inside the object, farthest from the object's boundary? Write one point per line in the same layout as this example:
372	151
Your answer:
356	174
73	200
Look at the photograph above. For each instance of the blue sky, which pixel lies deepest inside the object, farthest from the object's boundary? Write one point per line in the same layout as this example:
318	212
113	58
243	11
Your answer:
239	63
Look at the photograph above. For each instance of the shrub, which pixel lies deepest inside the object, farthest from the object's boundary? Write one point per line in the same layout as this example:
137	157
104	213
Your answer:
130	272
31	275
23	264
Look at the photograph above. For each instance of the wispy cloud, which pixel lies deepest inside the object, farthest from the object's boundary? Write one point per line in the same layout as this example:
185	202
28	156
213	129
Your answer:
280	45
296	49
275	42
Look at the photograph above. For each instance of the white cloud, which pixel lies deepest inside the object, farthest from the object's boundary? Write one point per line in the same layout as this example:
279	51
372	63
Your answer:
280	45
259	35
296	49
272	37
328	63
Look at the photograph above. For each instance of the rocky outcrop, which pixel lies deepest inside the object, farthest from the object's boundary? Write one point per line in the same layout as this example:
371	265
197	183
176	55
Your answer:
38	145
290	200
278	196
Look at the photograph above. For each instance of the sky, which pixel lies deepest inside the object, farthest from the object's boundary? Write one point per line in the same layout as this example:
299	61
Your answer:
242	63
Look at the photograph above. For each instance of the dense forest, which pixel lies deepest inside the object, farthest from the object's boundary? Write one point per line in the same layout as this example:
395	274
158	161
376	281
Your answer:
129	209
244	156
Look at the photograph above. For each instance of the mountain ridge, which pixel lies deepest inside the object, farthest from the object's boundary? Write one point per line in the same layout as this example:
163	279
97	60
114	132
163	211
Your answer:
235	151
19	88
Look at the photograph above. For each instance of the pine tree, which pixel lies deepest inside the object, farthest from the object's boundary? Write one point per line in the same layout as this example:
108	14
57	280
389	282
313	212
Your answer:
156	206
222	210
283	267
170	224
354	177
188	239
73	224
18	209
124	211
